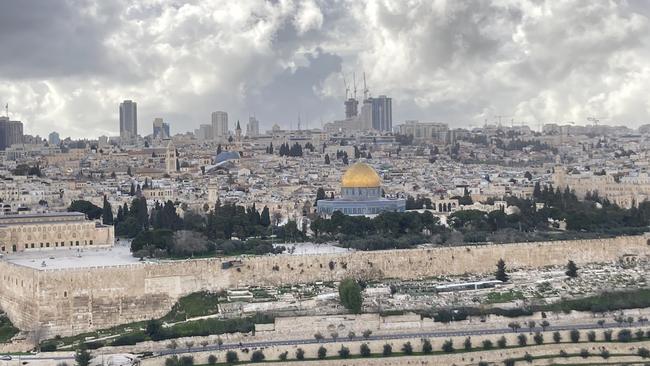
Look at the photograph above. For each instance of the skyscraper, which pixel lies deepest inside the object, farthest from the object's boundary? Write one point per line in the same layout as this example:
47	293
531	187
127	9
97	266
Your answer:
128	120
54	138
160	129
382	113
220	125
253	127
11	132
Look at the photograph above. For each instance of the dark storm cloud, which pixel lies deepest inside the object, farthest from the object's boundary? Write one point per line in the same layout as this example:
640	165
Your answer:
43	39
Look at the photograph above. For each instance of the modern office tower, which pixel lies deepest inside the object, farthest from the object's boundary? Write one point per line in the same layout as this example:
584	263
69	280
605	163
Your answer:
382	113
219	125
351	108
433	132
204	132
128	119
253	127
160	129
11	132
54	138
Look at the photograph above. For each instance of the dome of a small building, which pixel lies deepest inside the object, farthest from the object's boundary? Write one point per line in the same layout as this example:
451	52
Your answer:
360	175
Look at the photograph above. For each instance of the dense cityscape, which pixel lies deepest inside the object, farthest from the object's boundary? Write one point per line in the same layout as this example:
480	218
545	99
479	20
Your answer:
367	238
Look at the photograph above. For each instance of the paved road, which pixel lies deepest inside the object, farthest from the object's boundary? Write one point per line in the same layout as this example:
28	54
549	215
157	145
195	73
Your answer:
292	342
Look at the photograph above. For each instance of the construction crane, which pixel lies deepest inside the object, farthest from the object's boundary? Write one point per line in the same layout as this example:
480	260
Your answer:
347	88
595	120
365	88
354	84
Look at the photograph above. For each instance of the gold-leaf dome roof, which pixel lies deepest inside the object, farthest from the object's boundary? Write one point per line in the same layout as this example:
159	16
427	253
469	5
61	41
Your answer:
360	175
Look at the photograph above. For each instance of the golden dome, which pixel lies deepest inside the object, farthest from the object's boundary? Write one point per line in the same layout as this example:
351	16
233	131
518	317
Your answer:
360	175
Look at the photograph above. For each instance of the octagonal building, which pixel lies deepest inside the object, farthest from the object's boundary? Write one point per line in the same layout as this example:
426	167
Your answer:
360	195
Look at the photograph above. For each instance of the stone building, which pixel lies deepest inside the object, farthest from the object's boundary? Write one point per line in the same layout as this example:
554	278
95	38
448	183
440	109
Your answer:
19	233
361	194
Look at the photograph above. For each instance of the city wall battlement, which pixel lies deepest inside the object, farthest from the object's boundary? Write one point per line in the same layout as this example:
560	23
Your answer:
71	301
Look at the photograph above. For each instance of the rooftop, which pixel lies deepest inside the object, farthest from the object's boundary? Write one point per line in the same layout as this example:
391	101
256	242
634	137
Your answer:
74	258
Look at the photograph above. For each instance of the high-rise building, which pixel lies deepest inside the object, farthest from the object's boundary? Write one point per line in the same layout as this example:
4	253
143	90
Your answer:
382	113
54	138
219	125
204	132
128	120
160	129
351	108
253	127
11	132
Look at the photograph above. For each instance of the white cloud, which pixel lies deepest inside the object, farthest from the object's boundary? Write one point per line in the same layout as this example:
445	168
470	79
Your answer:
454	61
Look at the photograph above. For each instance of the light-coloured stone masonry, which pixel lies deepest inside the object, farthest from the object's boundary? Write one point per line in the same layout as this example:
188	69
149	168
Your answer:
71	301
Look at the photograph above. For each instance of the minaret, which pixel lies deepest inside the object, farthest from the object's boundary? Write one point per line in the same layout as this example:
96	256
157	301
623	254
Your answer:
171	160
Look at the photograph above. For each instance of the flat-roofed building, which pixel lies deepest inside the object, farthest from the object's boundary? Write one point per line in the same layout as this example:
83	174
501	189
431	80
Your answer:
60	230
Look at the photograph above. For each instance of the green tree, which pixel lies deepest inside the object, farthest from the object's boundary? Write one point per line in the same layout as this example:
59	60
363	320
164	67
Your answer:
427	348
538	338
571	269
258	356
350	295
265	217
501	274
322	353
364	350
448	346
407	348
300	354
574	334
232	357
93	212
82	357
388	350
344	352
107	212
557	337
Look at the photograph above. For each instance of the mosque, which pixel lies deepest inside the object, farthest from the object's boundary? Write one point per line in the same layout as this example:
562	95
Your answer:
361	194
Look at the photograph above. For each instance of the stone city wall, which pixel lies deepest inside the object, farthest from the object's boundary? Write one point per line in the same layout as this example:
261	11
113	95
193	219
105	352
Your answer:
71	301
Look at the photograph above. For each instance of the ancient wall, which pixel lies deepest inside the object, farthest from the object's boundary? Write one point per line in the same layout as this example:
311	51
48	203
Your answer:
77	300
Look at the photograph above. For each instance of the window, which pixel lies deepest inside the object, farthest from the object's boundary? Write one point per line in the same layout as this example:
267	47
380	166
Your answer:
91	242
77	243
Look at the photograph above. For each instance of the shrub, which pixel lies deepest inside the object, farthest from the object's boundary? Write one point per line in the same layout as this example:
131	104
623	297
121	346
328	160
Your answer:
538	338
487	344
48	347
367	333
643	352
300	354
563	353
467	344
258	356
232	357
639	334
574	335
322	353
448	346
388	350
528	357
129	339
522	340
502	342
212	359
604	354
584	353
407	348
608	335
591	336
283	356
344	352
427	348
557	337
364	350
624	335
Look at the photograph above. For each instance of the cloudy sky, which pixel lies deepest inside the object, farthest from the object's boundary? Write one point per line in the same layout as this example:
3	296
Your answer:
66	65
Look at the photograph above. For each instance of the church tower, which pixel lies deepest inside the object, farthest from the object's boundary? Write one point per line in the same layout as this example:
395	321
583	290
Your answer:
171	158
238	136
